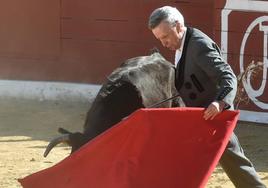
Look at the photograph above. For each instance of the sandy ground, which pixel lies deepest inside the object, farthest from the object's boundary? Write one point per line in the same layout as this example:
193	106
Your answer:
27	126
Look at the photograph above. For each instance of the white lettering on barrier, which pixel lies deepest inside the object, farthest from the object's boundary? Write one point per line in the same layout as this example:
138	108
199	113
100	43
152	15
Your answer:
252	93
248	6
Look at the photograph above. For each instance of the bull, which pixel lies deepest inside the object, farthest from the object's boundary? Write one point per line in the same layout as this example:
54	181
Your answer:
139	82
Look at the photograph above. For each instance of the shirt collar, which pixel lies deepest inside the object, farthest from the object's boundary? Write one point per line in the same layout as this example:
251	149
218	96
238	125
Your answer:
179	51
183	39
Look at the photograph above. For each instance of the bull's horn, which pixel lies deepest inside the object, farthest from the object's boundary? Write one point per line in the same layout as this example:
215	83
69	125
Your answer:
56	141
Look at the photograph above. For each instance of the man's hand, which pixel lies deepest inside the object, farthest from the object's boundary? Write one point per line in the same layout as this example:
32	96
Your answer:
213	109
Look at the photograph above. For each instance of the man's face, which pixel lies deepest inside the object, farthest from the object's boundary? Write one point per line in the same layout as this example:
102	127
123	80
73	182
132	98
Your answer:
170	36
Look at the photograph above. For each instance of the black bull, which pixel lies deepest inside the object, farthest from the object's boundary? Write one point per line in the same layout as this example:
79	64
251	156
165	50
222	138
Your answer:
139	82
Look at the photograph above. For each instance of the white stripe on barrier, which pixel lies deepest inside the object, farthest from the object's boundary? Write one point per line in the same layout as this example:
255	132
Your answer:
47	90
78	92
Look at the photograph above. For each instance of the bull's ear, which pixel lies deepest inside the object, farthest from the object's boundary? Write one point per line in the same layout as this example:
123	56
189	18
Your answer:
154	50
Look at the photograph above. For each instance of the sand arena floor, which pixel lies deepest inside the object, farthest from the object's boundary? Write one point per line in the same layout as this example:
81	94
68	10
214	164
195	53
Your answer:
26	126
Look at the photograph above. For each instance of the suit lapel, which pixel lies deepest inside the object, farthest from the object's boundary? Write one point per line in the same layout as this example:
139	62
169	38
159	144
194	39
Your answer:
179	76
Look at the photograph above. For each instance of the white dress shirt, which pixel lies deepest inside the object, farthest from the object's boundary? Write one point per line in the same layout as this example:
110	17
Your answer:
178	52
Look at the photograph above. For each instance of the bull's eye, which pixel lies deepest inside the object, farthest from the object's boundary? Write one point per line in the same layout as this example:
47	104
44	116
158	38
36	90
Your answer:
131	73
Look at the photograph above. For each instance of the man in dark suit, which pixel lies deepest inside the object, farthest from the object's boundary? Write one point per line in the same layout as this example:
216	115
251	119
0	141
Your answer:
204	79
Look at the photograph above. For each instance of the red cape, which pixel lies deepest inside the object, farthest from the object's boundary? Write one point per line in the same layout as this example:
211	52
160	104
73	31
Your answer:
152	148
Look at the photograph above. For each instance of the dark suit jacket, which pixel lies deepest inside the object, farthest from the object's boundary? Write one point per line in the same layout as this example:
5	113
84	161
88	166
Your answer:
202	75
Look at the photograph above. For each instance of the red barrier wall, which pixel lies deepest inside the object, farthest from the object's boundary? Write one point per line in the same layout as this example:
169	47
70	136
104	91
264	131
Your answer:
83	41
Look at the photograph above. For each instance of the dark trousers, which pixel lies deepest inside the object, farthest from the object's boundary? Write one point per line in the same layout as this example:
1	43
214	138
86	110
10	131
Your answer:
238	167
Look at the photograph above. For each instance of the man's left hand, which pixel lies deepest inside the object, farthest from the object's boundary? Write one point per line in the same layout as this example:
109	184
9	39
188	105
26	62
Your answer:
213	109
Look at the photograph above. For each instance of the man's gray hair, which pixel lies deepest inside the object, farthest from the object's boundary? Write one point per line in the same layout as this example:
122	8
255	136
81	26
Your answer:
168	14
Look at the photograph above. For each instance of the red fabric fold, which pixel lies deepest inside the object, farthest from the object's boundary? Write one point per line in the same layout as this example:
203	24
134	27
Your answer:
152	148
